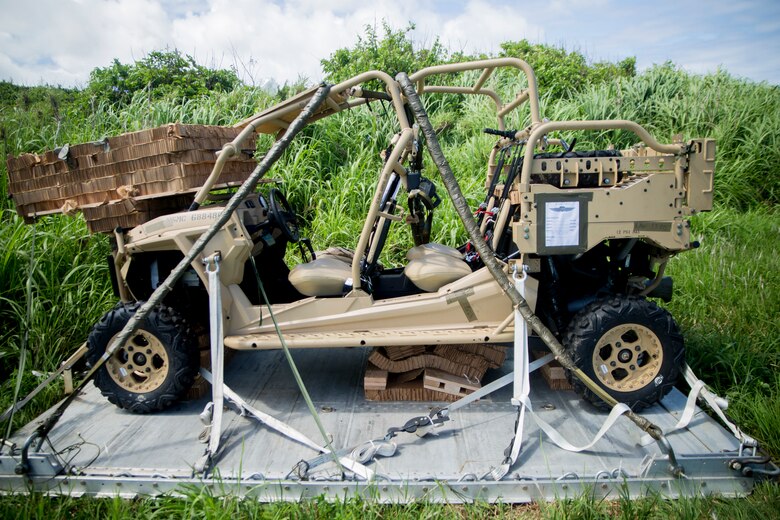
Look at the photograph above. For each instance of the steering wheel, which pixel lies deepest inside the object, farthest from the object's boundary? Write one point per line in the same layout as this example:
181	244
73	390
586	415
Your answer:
284	215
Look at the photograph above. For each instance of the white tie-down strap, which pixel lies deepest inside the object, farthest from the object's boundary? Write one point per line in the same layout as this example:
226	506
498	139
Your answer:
522	388
214	409
521	399
268	420
357	456
555	436
716	403
285	429
217	354
488	389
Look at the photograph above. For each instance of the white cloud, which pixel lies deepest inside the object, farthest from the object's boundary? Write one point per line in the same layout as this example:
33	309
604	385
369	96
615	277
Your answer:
61	41
288	40
269	39
482	26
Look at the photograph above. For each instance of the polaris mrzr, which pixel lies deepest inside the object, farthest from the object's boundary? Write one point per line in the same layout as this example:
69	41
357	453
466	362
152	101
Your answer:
592	230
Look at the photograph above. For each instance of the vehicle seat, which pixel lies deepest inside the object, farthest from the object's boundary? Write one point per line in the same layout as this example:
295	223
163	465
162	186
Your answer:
327	275
432	266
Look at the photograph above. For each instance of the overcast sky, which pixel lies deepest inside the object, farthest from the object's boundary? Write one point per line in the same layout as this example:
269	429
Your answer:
61	41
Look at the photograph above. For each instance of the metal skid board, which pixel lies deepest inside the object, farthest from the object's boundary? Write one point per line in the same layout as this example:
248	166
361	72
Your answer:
114	452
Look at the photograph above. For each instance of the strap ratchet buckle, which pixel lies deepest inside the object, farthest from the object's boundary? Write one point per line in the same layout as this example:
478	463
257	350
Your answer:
420	425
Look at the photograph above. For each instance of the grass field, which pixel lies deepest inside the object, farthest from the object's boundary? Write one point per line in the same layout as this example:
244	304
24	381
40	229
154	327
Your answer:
727	292
761	504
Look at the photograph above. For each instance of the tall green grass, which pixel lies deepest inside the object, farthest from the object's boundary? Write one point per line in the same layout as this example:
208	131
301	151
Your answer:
200	503
70	289
727	300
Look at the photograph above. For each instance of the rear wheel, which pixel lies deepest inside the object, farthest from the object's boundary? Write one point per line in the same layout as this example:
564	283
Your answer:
629	346
154	368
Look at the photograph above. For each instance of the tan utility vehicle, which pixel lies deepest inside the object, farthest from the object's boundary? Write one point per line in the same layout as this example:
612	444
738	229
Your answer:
592	229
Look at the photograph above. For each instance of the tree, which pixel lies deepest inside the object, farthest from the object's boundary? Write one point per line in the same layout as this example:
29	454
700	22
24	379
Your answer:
161	73
394	52
560	73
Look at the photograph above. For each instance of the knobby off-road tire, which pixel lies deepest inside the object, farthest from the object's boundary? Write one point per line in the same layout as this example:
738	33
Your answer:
629	346
154	368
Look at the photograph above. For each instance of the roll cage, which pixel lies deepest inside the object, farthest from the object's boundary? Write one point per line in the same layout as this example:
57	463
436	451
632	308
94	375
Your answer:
404	148
502	199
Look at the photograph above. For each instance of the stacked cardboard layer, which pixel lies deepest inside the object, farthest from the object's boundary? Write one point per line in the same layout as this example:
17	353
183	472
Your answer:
128	213
125	180
200	387
554	374
417	373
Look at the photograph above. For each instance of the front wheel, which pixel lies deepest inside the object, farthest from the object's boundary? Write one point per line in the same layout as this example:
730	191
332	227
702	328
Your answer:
156	365
629	346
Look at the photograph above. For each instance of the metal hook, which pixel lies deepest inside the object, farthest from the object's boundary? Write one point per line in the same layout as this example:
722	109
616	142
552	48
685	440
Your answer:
212	260
515	277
